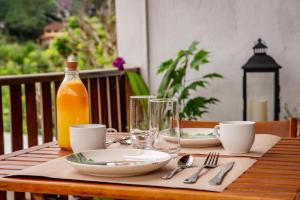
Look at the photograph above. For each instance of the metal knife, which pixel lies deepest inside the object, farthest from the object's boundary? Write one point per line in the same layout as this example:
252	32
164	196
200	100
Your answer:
217	180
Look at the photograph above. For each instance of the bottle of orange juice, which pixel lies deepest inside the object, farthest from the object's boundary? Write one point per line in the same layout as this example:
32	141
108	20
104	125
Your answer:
72	104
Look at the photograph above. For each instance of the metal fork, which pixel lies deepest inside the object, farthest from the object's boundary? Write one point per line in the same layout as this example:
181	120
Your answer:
119	140
125	142
211	161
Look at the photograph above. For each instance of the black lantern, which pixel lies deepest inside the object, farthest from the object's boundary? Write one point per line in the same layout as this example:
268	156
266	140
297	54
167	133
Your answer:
261	62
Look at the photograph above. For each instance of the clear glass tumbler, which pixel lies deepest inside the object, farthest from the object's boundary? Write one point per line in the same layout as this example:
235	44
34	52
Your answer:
164	125
139	122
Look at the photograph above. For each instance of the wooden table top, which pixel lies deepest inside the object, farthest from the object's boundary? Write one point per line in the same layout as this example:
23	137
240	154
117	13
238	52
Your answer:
276	175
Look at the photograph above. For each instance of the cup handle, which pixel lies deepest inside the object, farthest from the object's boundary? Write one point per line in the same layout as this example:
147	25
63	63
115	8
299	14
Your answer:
216	133
111	130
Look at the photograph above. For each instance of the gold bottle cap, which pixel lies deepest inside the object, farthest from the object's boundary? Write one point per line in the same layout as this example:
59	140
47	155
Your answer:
71	62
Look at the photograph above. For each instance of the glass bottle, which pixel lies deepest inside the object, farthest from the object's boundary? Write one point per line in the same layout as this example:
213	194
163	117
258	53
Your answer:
72	104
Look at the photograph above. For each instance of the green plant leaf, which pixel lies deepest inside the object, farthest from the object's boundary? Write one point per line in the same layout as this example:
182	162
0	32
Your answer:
212	76
196	107
137	84
176	88
181	53
200	58
166	80
193	47
164	66
178	75
193	86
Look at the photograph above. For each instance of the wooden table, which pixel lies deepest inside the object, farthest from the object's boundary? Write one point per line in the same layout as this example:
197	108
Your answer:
276	175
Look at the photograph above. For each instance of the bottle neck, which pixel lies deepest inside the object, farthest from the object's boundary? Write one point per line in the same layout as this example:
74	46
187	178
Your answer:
71	74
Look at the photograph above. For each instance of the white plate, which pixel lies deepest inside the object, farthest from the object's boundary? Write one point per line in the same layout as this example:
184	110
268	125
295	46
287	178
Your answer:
118	162
196	137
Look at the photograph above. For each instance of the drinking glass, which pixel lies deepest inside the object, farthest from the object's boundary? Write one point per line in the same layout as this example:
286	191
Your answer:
139	122
164	125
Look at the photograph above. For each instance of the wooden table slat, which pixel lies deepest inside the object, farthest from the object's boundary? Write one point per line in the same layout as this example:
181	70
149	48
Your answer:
20	158
52	152
13	166
16	153
7	171
12	162
31	155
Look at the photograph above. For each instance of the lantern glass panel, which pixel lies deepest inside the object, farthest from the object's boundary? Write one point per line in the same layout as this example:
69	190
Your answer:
260	96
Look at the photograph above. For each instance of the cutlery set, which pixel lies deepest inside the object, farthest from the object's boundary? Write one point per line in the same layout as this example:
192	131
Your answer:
184	162
211	161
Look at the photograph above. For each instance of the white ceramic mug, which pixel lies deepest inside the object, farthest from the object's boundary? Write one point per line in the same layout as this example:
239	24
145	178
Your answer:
85	137
236	136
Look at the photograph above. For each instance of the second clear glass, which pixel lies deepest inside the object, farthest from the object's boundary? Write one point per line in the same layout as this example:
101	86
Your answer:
139	122
164	125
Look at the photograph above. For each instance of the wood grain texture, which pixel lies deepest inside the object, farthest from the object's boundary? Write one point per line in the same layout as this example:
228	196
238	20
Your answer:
103	101
19	196
123	108
47	112
113	102
118	104
94	105
1	126
283	128
3	195
16	118
31	114
58	76
273	176
56	87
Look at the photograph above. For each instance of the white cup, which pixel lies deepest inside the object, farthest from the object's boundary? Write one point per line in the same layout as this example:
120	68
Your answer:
236	136
86	137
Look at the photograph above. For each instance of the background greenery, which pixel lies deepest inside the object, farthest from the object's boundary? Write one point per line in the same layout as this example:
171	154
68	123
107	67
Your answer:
89	33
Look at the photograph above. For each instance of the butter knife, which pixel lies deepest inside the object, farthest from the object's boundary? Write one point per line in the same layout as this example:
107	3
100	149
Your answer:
217	180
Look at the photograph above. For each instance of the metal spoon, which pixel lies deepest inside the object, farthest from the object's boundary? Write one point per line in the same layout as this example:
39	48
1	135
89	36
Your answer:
184	162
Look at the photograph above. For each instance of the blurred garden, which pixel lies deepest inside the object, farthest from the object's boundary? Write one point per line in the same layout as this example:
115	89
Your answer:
36	36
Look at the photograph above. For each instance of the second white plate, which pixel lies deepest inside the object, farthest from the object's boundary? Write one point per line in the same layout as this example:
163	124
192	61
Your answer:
196	137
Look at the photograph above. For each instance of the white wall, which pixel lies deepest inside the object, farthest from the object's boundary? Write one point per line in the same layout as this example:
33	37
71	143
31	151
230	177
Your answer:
228	29
132	34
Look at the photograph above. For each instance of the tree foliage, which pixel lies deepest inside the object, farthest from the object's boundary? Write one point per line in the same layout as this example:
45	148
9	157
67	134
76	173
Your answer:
26	19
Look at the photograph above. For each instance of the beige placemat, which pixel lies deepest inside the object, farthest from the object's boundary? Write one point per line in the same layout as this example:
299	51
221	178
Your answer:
262	144
60	169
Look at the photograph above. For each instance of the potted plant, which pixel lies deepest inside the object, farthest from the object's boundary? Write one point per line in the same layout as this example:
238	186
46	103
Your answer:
174	82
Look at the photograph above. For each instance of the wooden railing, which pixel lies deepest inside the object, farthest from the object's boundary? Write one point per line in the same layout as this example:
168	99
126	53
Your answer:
32	103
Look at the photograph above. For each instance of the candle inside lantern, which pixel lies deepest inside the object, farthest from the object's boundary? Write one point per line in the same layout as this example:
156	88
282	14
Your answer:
258	110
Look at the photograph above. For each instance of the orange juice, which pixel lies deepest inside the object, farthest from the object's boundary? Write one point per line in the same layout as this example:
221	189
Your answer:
72	106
